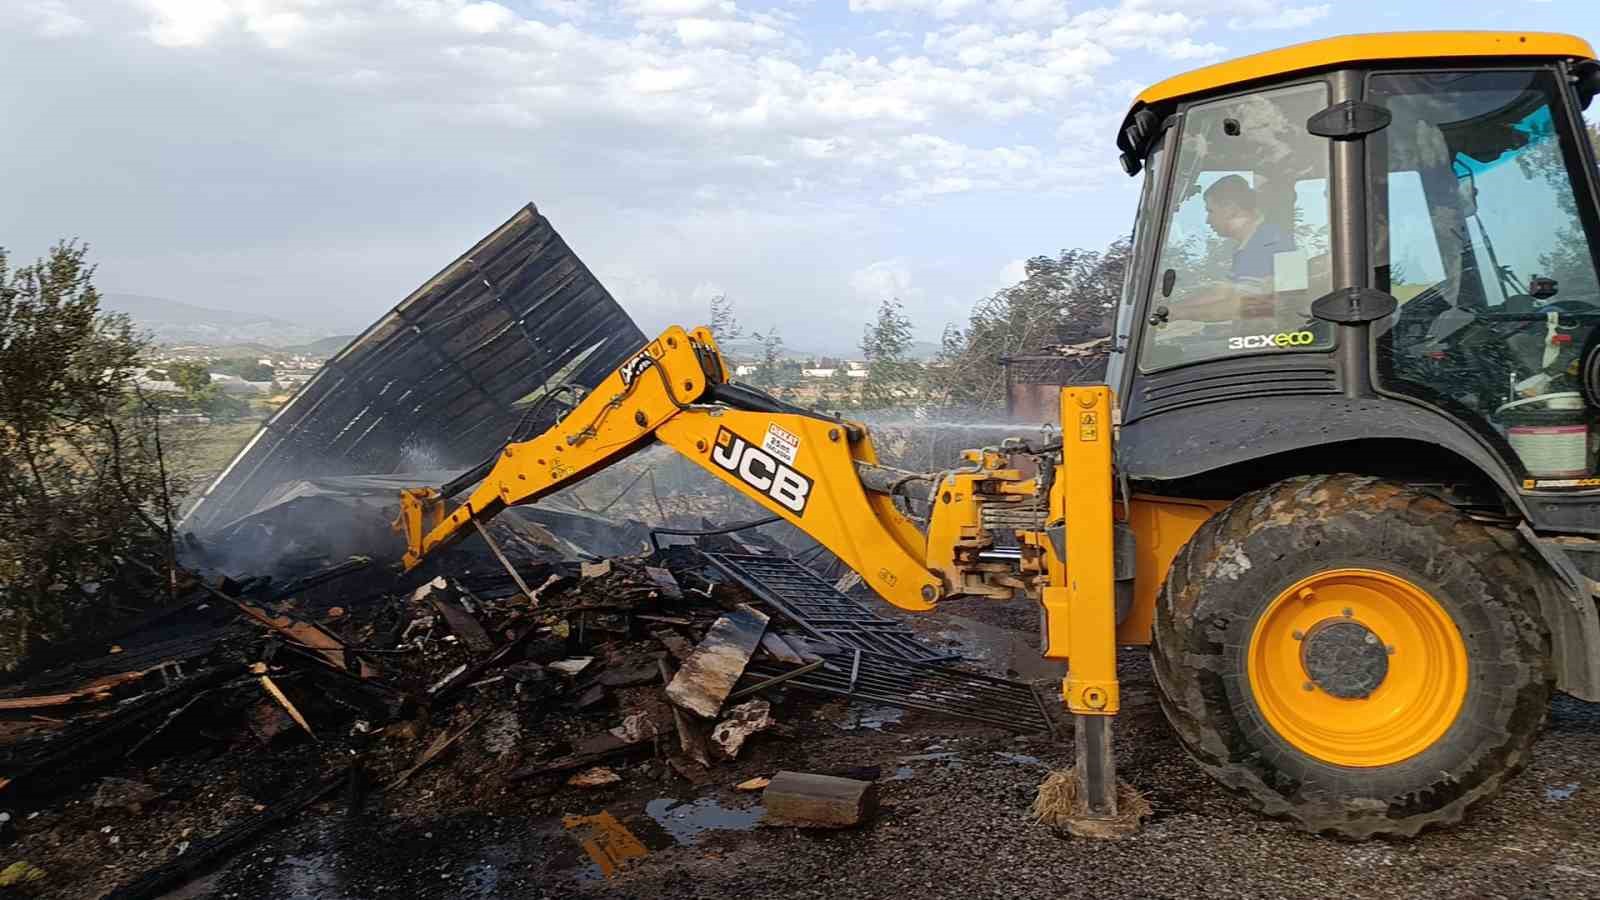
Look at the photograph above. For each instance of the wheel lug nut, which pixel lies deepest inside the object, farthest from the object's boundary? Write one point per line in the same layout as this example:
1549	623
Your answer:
1299	635
1309	686
1389	649
1348	612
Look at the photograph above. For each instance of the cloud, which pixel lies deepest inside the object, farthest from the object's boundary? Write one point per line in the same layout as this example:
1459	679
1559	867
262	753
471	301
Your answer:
1012	273
1184	48
676	143
1283	19
187	23
886	279
697	32
943	9
1081	44
484	18
1125	16
566	9
671	8
52	18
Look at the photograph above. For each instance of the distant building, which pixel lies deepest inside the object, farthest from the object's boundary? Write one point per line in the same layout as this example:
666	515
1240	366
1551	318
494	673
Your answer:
156	386
233	384
817	373
743	370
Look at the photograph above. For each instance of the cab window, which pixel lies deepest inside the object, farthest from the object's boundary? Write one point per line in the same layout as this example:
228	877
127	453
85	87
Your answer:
1478	231
1246	245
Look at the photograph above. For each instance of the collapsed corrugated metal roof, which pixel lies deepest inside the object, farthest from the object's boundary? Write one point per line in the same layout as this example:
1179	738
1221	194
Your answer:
444	378
314	522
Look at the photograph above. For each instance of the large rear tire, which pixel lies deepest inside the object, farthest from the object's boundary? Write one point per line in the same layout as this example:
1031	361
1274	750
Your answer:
1352	655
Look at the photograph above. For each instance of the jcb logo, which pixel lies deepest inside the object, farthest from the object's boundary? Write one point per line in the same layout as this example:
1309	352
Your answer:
635	367
759	469
1269	341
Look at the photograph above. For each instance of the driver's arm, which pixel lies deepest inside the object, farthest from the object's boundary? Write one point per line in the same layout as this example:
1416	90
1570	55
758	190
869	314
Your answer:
1227	302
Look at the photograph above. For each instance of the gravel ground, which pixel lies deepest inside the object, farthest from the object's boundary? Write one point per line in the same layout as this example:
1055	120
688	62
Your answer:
954	823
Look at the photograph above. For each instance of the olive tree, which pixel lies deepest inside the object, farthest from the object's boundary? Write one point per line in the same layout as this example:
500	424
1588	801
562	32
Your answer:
82	490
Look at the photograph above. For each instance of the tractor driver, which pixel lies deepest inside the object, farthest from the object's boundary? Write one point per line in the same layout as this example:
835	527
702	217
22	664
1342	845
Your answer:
1233	213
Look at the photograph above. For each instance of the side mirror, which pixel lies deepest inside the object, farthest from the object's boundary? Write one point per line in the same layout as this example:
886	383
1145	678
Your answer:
1588	84
1139	131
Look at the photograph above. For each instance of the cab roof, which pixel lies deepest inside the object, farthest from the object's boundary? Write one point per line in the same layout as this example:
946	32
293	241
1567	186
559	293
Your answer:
1363	48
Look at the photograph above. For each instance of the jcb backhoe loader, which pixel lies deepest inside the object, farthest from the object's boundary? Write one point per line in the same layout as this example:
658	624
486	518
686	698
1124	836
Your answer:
1341	477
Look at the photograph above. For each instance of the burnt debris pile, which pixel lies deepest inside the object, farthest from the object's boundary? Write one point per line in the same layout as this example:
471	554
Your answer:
471	679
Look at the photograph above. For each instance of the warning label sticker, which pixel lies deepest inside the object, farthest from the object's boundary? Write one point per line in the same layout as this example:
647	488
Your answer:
1089	426
782	443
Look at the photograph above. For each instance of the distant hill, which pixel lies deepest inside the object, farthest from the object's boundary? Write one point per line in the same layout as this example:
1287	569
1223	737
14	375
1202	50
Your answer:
327	346
173	322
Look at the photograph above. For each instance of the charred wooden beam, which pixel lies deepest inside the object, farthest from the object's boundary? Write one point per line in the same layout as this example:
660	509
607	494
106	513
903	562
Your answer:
79	754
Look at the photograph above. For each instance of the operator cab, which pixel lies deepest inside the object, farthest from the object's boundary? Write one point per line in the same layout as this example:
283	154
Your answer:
1405	221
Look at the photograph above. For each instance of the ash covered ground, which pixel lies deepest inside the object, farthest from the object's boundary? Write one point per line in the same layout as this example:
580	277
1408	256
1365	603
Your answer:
954	819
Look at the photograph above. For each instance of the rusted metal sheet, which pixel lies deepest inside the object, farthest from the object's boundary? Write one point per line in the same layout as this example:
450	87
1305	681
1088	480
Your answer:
607	841
1033	402
1034	380
444	376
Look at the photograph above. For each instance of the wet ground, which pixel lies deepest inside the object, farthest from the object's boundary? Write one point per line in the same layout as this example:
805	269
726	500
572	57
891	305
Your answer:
954	822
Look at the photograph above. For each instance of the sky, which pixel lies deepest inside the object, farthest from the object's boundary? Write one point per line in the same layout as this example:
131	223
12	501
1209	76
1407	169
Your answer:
315	160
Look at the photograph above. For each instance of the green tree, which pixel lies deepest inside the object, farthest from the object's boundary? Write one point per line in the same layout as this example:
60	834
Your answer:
81	485
1066	299
202	394
892	376
1568	262
769	374
248	369
724	325
192	377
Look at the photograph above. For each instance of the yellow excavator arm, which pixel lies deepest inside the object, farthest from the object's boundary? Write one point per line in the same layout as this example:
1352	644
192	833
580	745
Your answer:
798	464
819	472
822	474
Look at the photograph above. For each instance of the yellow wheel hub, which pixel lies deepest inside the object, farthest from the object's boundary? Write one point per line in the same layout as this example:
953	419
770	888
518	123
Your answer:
1357	667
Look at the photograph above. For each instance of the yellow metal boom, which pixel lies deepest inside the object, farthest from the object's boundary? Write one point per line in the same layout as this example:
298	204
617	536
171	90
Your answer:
822	474
799	465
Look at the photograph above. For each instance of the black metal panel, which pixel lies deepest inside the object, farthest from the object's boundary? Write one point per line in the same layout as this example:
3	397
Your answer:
1258	376
1191	441
819	607
441	372
1576	513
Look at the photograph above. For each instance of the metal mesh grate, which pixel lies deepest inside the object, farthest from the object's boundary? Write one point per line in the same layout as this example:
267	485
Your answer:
939	689
821	608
